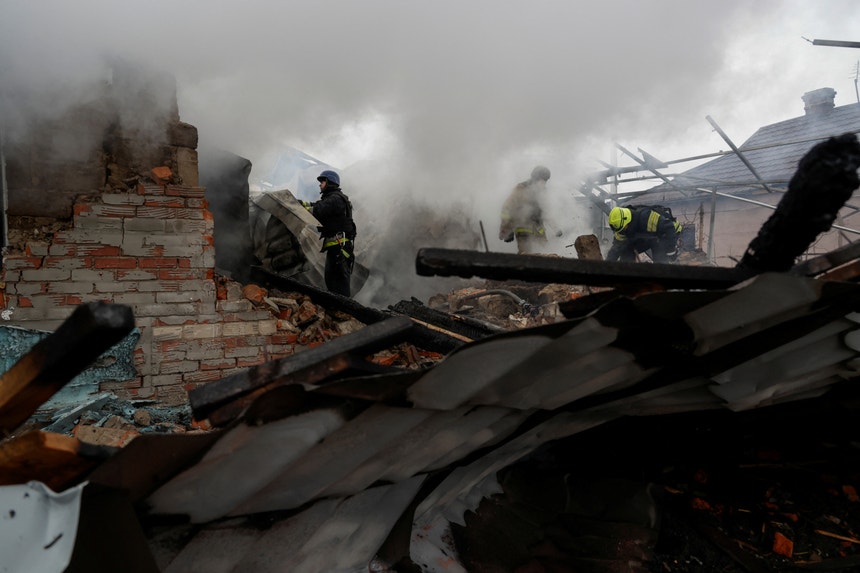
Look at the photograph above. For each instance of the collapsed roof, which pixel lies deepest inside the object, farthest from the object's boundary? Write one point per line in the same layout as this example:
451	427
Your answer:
341	460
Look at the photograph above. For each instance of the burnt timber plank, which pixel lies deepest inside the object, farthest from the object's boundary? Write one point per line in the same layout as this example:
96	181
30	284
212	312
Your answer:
206	399
55	360
827	261
462	326
57	460
537	268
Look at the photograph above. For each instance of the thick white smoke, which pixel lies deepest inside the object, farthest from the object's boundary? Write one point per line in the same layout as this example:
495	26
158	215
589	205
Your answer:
454	102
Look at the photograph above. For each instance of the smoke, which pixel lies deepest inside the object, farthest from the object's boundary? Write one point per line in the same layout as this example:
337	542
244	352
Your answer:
454	102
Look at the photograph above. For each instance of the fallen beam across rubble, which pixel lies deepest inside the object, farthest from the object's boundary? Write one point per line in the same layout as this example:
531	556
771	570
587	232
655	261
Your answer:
543	269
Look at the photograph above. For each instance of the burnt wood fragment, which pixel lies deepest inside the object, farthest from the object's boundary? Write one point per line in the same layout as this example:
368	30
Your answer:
463	326
825	179
55	360
828	261
542	269
57	460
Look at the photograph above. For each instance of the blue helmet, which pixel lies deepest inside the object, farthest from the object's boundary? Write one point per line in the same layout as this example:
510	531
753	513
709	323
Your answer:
330	176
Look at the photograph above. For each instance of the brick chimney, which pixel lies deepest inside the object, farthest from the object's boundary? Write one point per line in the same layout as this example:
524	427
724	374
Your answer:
818	102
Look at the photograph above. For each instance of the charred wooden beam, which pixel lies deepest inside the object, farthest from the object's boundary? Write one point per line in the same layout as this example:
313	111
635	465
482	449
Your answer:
461	326
537	268
329	300
828	261
317	361
420	336
55	360
825	179
57	460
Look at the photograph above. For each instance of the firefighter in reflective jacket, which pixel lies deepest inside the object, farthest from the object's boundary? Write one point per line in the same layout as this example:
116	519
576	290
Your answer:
337	231
522	216
640	228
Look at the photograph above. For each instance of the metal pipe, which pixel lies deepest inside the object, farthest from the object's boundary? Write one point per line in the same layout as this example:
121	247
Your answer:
836	43
772	207
711	254
740	155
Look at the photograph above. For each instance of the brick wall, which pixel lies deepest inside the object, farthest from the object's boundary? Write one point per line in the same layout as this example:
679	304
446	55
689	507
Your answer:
152	249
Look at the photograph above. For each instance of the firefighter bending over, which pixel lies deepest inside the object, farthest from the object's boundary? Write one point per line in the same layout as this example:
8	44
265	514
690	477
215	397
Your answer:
522	215
337	232
641	228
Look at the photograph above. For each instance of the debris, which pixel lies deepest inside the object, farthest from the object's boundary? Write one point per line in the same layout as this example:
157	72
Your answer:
782	545
52	362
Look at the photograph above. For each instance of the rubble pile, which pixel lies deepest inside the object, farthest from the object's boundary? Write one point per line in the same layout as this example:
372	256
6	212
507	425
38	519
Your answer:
510	305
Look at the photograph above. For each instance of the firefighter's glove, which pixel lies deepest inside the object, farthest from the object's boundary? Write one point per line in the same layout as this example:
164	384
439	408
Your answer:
307	205
507	238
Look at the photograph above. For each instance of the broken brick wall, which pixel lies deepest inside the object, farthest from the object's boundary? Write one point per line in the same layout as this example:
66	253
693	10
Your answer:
152	249
90	220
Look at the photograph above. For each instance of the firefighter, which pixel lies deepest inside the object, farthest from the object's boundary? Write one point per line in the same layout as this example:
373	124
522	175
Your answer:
337	232
522	216
640	228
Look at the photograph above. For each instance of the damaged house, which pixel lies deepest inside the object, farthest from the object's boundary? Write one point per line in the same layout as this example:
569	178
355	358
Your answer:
720	200
323	435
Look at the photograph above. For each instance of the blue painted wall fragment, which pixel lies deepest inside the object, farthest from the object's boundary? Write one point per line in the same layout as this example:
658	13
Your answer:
116	364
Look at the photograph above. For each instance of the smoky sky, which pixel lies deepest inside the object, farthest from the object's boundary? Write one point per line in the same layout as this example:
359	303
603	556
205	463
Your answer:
452	101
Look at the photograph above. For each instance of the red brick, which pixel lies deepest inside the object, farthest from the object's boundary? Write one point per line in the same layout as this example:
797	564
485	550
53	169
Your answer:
224	364
202	376
150	189
114	263
249	361
282	338
157	262
24	302
81	208
18	263
165	202
168	345
161	174
178	275
254	293
98	250
69	249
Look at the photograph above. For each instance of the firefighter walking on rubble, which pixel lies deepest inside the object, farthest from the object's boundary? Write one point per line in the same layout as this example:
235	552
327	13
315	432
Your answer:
641	228
337	232
522	215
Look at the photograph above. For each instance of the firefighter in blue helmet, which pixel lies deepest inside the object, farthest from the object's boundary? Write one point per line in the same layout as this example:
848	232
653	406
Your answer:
337	231
641	228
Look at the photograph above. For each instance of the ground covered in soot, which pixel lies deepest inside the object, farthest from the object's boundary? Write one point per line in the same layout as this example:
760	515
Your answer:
769	490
